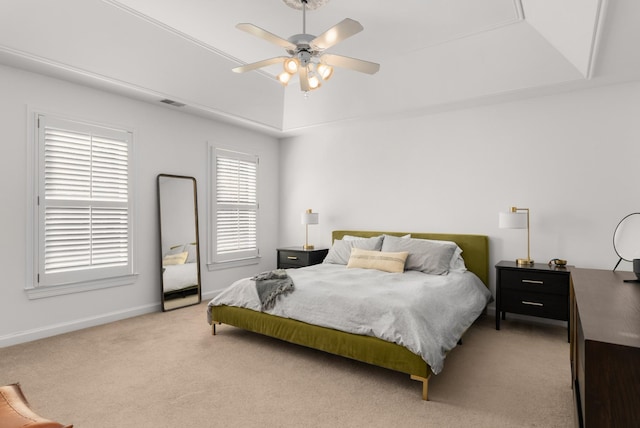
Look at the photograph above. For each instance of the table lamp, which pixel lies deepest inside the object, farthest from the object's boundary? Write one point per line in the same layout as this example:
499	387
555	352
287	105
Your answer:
517	218
308	217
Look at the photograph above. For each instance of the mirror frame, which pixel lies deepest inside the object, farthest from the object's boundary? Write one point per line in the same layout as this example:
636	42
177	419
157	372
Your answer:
159	179
617	237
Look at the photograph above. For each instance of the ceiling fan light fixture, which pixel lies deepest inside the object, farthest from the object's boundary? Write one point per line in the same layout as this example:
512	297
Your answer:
325	71
314	82
284	78
308	57
291	66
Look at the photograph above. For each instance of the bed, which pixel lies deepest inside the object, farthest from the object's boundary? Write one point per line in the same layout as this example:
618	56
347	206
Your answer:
395	352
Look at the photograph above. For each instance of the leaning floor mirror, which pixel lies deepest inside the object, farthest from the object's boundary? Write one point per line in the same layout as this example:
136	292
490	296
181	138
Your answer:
180	252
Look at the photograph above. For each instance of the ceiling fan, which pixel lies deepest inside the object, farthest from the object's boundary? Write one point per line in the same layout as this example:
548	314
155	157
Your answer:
307	52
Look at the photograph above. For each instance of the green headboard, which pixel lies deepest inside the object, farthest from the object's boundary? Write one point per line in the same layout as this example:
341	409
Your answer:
475	248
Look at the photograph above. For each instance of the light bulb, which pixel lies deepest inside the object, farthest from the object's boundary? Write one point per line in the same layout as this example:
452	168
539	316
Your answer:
291	65
284	78
325	71
314	82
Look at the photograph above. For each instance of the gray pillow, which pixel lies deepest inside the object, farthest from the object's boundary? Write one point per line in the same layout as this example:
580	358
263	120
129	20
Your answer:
340	251
425	255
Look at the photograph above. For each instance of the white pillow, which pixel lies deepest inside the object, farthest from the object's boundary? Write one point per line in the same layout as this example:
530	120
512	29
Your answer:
340	251
457	262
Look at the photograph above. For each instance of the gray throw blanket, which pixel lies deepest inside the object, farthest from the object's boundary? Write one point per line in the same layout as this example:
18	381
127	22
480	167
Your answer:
271	285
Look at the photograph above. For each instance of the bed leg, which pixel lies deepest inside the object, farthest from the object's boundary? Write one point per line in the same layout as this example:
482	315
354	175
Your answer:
425	385
213	328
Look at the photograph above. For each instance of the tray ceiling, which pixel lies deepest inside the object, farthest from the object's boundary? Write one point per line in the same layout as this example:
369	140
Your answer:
434	55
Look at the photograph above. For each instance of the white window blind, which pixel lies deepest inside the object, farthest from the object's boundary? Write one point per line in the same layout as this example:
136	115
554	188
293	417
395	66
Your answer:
84	202
236	206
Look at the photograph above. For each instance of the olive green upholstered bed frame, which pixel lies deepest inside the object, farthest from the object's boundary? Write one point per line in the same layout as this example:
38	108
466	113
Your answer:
367	349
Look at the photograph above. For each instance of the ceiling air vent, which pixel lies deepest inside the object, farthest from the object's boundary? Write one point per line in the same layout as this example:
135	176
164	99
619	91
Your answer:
172	103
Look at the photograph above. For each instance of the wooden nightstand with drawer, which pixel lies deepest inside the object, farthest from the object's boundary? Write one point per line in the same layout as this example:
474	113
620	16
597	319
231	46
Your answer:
296	257
538	290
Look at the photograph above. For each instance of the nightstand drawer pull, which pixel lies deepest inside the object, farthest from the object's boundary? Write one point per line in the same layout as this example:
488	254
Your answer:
292	258
525	302
532	281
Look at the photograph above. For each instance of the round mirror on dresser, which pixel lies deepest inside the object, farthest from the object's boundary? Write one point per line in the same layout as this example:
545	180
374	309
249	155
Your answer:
626	238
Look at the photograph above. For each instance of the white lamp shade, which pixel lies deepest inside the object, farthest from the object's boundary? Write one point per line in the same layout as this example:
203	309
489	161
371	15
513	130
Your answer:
309	218
511	220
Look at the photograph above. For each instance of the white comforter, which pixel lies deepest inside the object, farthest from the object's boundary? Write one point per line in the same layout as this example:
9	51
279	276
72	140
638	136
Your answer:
425	313
177	277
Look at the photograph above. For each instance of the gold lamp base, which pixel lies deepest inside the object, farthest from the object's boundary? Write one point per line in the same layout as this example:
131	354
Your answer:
307	247
524	262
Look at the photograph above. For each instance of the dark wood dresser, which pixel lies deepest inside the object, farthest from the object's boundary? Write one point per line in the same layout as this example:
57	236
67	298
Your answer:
605	348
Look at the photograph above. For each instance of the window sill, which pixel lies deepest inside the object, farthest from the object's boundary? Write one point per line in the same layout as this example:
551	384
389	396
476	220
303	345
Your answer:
233	264
80	287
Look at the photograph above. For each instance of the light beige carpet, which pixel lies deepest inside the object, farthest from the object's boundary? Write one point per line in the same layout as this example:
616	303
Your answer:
167	370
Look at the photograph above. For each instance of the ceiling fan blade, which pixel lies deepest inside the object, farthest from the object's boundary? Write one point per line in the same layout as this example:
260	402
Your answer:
265	35
304	79
260	64
350	63
344	29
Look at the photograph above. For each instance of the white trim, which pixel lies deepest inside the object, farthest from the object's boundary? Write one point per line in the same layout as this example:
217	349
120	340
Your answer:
59	290
210	294
248	257
31	287
597	34
48	67
517	4
233	263
66	327
31	192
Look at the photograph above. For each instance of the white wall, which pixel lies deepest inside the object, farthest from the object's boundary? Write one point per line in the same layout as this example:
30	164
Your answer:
165	141
571	158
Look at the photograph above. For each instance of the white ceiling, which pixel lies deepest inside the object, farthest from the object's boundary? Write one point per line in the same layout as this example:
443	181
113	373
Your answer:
434	55
390	32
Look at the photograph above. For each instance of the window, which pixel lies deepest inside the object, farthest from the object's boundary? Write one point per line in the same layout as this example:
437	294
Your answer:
83	214
234	200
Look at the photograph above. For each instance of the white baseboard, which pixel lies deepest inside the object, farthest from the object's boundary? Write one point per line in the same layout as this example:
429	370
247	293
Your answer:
66	327
209	295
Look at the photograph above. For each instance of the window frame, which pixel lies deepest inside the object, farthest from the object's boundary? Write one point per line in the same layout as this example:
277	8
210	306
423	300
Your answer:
89	278
250	257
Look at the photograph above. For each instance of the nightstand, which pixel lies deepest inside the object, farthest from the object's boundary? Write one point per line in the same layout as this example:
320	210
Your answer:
538	290
295	257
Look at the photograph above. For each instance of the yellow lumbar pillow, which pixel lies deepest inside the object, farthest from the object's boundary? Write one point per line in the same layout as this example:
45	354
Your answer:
175	259
384	261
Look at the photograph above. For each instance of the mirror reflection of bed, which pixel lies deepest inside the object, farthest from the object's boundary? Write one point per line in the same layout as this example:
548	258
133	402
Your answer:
178	218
